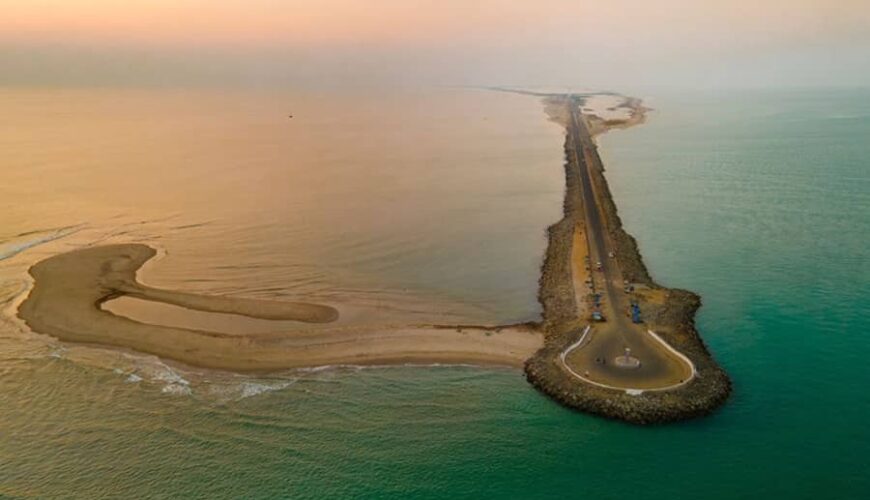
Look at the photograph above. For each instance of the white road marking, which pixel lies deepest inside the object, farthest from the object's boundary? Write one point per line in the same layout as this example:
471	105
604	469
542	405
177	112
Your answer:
629	391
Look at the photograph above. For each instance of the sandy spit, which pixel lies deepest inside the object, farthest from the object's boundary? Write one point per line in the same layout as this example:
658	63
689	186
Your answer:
69	288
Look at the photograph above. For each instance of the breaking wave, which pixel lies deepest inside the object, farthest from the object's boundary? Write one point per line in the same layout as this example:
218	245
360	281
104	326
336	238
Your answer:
22	242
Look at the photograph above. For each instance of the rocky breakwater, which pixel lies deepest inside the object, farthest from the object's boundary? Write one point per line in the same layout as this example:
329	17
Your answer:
669	312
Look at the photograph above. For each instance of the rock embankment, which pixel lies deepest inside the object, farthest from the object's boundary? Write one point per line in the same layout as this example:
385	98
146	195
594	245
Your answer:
701	396
671	316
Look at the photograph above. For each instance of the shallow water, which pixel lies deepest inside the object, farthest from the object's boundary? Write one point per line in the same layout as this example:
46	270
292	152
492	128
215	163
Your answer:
437	199
170	315
759	201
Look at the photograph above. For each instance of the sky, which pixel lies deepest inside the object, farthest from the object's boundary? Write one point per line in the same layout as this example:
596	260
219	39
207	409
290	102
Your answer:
606	43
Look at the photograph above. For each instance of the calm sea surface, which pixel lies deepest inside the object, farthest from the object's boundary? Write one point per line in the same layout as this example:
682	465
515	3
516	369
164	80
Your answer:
431	206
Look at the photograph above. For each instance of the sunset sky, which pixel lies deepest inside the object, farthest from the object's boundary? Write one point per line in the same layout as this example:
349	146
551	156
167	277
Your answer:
569	42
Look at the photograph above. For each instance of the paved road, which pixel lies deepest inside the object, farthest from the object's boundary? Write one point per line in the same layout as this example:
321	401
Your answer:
659	366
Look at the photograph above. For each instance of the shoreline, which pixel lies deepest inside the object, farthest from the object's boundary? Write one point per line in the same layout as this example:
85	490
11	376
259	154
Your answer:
69	291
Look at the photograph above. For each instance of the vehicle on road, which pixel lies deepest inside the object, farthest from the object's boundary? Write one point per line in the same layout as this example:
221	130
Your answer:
635	313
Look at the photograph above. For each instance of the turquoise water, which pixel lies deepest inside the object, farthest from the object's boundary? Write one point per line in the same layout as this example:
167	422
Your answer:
759	201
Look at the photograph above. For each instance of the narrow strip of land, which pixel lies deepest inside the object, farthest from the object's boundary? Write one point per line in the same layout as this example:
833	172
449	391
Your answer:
617	344
70	288
646	362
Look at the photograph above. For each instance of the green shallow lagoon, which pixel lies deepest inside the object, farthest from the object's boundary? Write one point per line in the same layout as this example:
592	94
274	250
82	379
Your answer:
757	200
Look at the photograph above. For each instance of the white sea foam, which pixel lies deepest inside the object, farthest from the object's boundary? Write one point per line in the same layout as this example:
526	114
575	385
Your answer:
152	369
315	369
249	389
163	373
22	243
177	389
323	368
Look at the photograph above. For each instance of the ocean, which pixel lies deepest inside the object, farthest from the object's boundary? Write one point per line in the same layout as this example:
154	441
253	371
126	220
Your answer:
431	206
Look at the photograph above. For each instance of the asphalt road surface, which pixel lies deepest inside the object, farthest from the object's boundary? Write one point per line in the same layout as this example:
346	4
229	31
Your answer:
659	367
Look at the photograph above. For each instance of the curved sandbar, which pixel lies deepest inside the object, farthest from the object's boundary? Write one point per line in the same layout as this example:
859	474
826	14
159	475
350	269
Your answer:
69	288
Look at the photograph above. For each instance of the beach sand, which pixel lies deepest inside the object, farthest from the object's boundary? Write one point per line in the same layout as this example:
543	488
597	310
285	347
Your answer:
69	289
